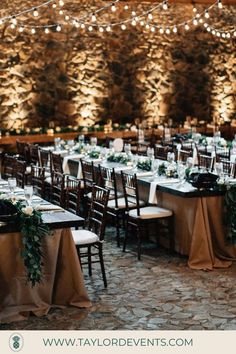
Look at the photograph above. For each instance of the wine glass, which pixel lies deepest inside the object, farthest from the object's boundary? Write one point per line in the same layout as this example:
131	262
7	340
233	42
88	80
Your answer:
155	165
219	168
150	153
70	144
28	193
181	173
127	148
170	157
93	141
12	184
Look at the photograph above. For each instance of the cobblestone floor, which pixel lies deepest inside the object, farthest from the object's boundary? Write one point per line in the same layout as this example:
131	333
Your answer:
160	292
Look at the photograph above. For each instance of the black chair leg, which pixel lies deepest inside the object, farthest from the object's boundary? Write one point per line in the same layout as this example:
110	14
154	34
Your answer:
126	236
172	233
102	266
89	261
139	231
118	230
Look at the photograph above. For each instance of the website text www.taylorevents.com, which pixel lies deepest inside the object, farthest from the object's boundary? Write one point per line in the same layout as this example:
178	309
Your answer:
117	342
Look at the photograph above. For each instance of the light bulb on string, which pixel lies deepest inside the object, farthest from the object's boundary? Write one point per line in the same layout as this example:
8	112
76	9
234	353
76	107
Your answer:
126	7
46	30
1	22
142	23
147	26
195	22
82	26
90	28
13	26
186	27
205	25
200	20
67	18
165	5
58	28
150	17
223	35
167	31
206	14
208	29
194	9
161	30
33	30
198	15
54	6
101	29
123	27
61	3
133	13
108	28
153	29
14	21
220	5
175	29
218	34
228	35
77	24
93	18
61	12
21	29
35	13
235	34
133	23
113	7
213	32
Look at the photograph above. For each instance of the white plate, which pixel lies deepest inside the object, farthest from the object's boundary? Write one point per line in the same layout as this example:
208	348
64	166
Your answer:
118	144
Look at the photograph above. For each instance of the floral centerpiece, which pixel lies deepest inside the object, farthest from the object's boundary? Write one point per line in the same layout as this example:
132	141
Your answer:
94	154
144	165
33	230
119	158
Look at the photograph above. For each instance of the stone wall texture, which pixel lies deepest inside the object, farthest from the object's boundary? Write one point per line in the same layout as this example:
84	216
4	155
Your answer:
77	77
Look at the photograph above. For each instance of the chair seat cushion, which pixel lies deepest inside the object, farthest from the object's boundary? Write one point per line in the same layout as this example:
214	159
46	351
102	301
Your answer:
84	237
151	212
121	203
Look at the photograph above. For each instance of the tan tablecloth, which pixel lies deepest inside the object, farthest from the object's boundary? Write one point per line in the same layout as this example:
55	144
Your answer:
199	230
62	283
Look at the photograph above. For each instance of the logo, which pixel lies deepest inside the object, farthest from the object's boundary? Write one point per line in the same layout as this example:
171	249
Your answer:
16	342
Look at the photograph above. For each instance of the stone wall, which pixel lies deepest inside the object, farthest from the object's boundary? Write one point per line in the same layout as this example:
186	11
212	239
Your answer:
76	77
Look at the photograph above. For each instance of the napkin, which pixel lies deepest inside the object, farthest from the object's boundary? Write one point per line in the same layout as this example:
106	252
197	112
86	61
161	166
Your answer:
144	174
49	207
168	181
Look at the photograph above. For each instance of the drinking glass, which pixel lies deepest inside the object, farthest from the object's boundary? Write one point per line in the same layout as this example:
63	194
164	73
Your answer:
12	184
28	193
219	168
127	148
57	143
181	173
170	157
93	141
150	153
81	139
70	144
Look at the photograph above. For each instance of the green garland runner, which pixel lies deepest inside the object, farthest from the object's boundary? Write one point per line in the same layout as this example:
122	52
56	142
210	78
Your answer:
230	213
33	230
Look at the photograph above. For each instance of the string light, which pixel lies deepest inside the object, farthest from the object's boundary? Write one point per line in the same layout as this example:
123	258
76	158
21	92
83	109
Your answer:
33	30
142	23
113	8
167	31
133	23
61	3
46	30
90	28
123	27
21	29
175	29
150	16
207	14
220	5
153	29
165	5
101	29
186	27
35	13
194	9
61	12
161	30
93	18
108	28
58	28
195	22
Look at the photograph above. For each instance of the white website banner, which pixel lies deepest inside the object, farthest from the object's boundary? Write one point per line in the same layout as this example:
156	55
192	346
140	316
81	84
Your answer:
112	342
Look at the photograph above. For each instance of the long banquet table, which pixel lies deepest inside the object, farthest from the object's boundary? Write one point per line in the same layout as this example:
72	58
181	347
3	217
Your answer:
199	230
62	283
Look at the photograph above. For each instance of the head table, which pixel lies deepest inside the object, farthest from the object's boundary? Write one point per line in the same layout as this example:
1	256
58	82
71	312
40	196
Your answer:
62	282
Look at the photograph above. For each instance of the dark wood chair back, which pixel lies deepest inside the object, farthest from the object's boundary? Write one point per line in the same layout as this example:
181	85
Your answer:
131	191
37	179
73	195
58	188
56	162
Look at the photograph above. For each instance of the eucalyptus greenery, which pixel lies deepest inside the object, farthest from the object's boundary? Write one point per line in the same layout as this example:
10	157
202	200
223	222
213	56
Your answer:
94	154
119	158
145	165
230	213
162	169
33	230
